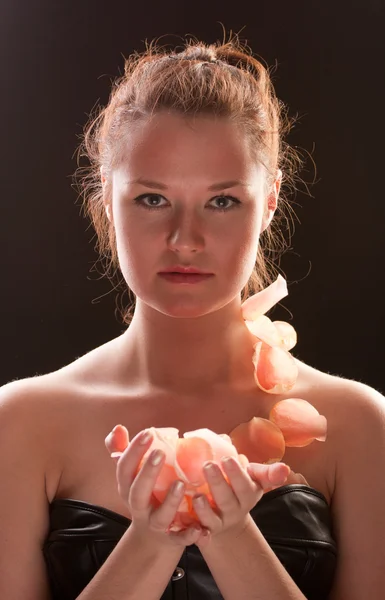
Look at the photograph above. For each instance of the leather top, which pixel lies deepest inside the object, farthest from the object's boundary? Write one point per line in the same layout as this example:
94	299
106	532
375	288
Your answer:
294	519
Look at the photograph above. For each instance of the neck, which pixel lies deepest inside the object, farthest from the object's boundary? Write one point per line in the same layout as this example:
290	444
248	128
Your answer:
189	355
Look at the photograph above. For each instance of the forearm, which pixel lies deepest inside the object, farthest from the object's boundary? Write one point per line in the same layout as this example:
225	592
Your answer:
136	569
246	567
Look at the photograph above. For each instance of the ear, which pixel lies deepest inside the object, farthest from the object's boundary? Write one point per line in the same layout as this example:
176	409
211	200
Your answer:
106	202
272	201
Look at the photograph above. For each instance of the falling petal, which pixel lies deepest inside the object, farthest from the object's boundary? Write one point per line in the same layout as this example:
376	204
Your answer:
259	440
299	422
261	302
275	369
287	334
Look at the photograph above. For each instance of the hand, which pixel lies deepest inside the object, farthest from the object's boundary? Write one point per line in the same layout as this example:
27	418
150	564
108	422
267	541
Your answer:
273	476
135	487
235	498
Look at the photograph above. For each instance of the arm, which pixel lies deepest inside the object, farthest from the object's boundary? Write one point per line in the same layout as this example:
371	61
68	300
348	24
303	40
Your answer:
23	502
242	563
358	502
136	569
244	566
139	567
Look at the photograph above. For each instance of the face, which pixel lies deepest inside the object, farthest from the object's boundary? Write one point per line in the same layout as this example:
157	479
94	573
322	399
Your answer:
186	218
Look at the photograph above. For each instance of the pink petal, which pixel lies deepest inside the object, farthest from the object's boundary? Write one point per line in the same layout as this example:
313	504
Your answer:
299	422
191	454
220	445
275	369
287	334
261	302
264	330
259	440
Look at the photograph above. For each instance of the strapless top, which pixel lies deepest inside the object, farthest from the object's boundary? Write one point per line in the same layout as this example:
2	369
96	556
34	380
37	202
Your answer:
294	519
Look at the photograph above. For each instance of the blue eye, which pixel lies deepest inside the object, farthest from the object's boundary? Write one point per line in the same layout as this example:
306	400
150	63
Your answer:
140	201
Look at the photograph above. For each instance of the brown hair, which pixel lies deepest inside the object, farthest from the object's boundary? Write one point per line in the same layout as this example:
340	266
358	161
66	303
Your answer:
221	79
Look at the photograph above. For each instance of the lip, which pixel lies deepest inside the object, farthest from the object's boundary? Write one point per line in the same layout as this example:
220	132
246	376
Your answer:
185	270
185	278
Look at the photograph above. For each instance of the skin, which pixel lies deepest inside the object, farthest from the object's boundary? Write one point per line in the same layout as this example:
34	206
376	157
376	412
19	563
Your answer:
185	362
188	229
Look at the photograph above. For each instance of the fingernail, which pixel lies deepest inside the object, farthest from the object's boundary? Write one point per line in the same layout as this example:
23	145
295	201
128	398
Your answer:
156	456
145	437
228	462
177	487
115	428
211	470
199	501
116	454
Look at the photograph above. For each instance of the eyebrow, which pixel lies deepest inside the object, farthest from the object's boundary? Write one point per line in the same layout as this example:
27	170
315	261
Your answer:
222	185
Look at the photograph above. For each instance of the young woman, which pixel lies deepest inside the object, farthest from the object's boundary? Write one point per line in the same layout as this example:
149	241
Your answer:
187	162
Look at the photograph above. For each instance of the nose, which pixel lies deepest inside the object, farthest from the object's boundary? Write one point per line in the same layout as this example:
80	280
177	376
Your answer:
186	232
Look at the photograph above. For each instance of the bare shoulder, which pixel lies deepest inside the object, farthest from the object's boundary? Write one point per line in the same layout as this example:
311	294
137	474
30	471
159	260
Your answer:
29	474
356	436
340	397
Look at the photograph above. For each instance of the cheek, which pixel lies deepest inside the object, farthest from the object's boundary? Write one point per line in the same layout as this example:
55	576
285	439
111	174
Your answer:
241	245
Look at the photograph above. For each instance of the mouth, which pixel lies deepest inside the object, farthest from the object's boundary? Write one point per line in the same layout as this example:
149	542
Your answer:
189	278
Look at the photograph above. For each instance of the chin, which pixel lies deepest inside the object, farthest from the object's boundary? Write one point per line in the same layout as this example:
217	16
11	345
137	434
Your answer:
185	310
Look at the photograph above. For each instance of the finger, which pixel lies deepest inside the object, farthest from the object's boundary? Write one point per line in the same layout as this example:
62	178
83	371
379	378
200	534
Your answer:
118	439
129	462
141	490
188	536
204	538
296	478
207	516
268	475
221	491
244	487
165	513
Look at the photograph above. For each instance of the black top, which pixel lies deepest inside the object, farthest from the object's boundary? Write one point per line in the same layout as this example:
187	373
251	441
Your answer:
294	519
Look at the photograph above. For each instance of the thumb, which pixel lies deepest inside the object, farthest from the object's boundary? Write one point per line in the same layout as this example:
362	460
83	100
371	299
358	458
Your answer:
117	440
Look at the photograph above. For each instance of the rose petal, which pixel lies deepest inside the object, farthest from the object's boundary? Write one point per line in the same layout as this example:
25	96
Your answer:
220	445
191	453
299	422
164	480
264	330
275	369
260	303
287	334
259	440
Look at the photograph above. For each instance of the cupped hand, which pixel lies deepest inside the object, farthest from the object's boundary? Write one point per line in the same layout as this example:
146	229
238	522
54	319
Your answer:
236	492
135	486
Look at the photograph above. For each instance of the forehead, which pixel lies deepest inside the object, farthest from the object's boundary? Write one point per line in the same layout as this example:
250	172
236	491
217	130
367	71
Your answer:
173	145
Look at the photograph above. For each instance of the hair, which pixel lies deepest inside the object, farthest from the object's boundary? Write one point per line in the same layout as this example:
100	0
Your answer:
221	80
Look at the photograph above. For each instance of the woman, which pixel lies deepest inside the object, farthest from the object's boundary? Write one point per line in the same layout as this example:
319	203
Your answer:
187	162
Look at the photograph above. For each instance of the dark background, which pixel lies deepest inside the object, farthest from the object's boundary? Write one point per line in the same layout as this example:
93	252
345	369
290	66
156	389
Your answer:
57	62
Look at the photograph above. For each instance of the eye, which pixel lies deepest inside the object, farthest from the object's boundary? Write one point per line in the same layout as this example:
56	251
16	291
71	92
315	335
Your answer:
154	202
140	200
234	202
